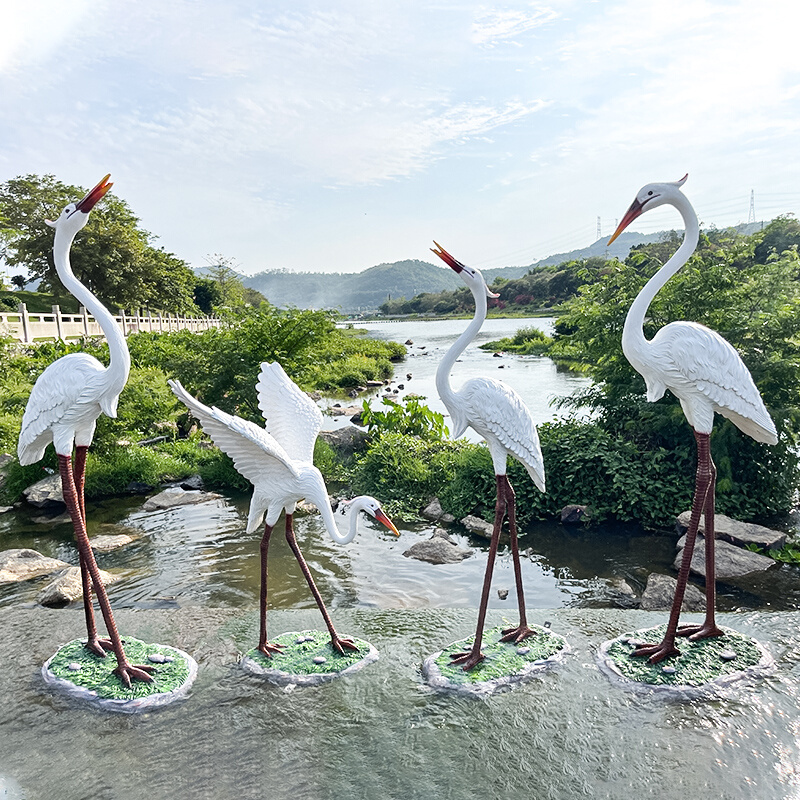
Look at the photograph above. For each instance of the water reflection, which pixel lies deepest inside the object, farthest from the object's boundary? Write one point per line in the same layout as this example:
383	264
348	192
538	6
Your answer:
201	555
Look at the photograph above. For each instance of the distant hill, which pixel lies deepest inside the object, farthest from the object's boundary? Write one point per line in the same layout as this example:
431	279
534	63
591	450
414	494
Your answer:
365	291
360	291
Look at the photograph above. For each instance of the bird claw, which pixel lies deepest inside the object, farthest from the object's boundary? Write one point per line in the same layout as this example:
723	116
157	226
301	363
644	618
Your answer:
467	660
656	652
99	646
516	635
697	632
270	650
127	672
340	644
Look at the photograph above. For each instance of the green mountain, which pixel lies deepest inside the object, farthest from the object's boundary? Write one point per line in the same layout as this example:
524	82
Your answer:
365	291
360	291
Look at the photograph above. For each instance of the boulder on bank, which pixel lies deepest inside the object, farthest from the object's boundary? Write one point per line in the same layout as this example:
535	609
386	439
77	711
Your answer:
67	588
741	534
346	441
731	561
478	526
660	591
45	493
439	549
22	564
434	511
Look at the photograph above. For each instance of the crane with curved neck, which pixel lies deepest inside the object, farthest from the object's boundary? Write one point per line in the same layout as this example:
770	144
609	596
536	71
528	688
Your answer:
118	370
498	414
63	408
278	461
707	376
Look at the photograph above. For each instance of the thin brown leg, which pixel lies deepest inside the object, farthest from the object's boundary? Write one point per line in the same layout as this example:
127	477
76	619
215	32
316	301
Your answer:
469	658
338	643
703	480
522	631
94	643
124	669
263	645
709	627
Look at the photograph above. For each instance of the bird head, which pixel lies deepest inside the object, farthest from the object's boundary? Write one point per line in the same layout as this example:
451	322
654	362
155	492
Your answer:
650	196
75	215
471	276
369	505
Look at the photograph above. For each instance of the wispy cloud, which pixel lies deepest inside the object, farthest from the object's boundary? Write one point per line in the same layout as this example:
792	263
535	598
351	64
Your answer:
494	25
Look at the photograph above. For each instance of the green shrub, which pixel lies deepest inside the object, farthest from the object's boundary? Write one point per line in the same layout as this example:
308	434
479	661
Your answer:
405	472
409	416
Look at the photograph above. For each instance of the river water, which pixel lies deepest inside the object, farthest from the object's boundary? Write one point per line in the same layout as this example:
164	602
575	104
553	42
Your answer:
538	380
191	580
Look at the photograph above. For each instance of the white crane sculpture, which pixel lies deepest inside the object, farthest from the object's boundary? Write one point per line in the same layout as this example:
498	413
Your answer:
707	375
499	415
63	408
278	461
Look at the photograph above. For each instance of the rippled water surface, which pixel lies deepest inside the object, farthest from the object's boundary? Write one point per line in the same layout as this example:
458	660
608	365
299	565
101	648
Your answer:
191	580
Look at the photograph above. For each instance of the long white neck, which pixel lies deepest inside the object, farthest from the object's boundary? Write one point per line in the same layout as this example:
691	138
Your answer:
446	392
329	518
633	338
120	363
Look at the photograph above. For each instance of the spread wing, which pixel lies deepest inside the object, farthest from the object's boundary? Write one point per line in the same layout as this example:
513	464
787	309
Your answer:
698	360
255	453
499	414
293	418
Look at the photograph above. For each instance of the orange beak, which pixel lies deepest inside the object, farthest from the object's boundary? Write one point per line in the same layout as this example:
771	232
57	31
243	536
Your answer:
94	196
634	211
382	518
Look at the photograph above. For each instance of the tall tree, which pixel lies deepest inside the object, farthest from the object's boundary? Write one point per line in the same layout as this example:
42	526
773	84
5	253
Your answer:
114	257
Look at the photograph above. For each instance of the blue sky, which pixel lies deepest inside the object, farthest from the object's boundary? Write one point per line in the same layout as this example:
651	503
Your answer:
332	136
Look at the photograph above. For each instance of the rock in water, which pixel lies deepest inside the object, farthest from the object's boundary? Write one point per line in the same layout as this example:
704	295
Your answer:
21	564
660	590
439	549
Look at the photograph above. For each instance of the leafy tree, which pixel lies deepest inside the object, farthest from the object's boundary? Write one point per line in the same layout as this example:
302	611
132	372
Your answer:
231	292
113	256
19	281
207	295
755	306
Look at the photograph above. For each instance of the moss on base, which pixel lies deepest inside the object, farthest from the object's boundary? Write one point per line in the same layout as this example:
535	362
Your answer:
502	659
95	674
699	664
297	657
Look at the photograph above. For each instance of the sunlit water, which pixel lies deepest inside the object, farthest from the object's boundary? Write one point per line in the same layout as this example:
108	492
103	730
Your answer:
191	580
537	379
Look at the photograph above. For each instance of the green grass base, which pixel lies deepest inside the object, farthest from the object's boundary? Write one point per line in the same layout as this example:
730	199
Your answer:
296	661
95	679
699	664
502	663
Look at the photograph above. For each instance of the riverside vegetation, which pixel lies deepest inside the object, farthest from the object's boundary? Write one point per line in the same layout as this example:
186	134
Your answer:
628	459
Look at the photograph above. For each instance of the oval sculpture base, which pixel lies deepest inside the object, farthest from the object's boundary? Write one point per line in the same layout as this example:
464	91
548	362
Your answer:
307	659
82	675
703	667
504	665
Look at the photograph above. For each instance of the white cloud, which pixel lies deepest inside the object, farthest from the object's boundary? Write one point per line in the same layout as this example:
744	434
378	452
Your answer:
494	25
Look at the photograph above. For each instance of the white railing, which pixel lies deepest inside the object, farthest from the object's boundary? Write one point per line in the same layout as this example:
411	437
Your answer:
28	327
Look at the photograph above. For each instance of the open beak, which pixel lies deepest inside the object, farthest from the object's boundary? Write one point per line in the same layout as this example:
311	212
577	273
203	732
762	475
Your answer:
91	199
446	257
382	518
630	215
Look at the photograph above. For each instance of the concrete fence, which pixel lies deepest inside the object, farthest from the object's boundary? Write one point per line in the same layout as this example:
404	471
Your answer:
27	327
